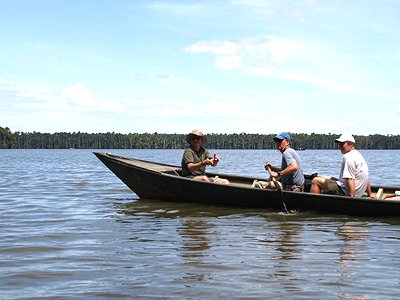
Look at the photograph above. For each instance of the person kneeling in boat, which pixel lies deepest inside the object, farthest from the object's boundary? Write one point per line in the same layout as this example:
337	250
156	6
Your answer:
196	158
353	180
289	176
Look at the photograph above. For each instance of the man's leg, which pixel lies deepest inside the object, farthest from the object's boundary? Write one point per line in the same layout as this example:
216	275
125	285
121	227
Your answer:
317	184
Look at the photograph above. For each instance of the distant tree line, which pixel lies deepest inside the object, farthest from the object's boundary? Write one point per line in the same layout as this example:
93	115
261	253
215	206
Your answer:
112	140
6	138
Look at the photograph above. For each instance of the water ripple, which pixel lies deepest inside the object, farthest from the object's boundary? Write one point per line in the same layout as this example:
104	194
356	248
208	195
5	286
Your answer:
71	229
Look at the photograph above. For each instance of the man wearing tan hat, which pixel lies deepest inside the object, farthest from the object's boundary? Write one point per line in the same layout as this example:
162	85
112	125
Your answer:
196	158
353	180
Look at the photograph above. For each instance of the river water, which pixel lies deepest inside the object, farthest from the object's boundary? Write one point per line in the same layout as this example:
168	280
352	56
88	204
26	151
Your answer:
72	229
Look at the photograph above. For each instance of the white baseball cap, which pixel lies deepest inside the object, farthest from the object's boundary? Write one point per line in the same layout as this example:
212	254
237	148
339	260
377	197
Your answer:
346	137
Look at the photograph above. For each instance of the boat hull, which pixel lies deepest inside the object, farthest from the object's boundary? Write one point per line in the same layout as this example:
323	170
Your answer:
163	182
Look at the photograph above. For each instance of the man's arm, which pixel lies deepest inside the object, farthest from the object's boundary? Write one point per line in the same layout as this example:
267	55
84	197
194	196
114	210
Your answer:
351	186
369	192
289	169
197	166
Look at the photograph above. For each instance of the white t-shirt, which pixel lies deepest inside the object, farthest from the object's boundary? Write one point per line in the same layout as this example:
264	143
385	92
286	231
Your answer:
355	167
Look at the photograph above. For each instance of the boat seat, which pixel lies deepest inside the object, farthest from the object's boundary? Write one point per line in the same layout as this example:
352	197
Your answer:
176	173
379	193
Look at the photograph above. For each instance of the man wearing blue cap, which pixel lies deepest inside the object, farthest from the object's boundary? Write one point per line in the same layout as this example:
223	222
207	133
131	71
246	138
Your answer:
290	175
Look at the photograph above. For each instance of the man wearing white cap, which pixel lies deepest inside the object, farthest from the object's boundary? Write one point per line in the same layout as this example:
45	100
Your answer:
353	180
196	158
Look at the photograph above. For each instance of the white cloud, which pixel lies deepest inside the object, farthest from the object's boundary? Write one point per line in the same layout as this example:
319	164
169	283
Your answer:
110	106
78	95
290	59
75	98
27	90
215	47
282	49
226	52
266	51
272	10
295	76
228	61
140	77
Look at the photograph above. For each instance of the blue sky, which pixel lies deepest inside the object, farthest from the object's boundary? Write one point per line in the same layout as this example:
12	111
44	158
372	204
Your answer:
254	66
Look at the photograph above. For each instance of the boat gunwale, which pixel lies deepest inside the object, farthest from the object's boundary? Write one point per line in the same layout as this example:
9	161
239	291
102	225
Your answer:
121	159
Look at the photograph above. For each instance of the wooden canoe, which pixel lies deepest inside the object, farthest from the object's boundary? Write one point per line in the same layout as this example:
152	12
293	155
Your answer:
164	182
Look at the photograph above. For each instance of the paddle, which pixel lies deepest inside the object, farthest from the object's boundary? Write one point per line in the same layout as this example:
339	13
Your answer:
270	172
268	167
277	185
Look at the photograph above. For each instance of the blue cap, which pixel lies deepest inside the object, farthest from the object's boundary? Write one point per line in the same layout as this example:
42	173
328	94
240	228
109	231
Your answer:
282	136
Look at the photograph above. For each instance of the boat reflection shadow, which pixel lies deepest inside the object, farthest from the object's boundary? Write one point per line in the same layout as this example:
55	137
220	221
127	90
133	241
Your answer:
192	230
287	247
194	237
285	254
195	243
164	209
354	236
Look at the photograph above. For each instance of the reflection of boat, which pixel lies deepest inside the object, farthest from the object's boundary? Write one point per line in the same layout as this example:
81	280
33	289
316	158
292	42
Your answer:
164	182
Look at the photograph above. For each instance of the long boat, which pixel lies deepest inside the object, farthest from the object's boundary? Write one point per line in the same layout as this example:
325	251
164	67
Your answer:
150	180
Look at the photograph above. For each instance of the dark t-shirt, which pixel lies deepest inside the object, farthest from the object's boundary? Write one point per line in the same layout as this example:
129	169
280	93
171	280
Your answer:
191	156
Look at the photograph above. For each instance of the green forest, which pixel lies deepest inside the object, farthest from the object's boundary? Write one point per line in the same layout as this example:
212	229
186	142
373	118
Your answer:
112	140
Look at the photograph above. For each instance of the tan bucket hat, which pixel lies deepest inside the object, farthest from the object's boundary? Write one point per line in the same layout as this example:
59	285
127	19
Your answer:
198	133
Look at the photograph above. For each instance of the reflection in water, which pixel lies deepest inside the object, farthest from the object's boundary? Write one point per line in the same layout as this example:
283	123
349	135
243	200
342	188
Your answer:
71	229
288	248
207	245
192	231
195	243
165	209
286	253
354	235
194	236
151	208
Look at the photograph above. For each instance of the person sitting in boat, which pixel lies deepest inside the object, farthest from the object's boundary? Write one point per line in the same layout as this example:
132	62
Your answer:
290	175
196	158
353	180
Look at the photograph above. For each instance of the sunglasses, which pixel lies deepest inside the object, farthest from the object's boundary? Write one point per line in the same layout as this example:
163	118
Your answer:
195	138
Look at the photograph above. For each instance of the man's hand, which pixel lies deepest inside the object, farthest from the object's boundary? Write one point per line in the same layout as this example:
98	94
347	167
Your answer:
215	160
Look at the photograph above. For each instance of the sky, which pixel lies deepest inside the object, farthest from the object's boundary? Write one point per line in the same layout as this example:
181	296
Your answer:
256	66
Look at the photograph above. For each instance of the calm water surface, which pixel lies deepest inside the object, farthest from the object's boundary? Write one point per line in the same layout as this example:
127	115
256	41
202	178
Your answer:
71	229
